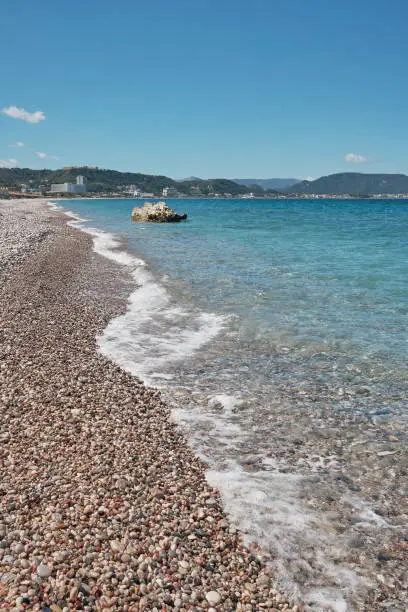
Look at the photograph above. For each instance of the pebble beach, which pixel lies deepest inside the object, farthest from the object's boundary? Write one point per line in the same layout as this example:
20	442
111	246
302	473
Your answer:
103	505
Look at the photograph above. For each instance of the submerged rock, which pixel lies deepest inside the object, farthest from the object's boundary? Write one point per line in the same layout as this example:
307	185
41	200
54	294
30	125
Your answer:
156	212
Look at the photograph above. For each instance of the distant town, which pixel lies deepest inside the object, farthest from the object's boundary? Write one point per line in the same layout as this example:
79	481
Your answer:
92	182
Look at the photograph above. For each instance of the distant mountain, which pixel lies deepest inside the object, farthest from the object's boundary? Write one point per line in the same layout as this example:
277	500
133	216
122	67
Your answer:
353	183
272	183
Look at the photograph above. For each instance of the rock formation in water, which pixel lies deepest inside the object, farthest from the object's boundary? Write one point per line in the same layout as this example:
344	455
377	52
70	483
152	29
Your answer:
156	212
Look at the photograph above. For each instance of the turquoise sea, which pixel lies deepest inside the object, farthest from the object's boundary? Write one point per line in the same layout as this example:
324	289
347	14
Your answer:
270	326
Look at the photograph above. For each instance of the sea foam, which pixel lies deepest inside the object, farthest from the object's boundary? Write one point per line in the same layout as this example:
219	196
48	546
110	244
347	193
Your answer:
155	332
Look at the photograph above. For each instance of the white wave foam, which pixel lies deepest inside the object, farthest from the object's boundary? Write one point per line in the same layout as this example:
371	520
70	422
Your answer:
155	332
153	335
228	402
206	428
308	557
267	507
76	219
54	206
366	515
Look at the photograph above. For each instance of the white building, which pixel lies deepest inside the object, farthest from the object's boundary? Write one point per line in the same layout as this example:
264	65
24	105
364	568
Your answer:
80	186
169	192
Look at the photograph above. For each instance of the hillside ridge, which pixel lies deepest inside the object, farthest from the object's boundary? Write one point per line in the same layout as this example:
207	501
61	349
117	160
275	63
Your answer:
353	183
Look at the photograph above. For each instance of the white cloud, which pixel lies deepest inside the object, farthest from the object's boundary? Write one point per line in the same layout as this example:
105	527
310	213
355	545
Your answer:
17	144
308	178
21	113
9	163
46	156
353	158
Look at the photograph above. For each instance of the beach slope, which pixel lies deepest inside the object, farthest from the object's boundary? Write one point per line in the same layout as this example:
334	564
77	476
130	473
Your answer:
103	505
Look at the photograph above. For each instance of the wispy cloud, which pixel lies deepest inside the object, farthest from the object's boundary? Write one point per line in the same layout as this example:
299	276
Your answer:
9	163
21	113
46	156
17	144
353	158
308	178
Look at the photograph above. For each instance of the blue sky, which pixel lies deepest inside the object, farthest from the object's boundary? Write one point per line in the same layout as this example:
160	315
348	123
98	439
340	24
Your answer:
235	88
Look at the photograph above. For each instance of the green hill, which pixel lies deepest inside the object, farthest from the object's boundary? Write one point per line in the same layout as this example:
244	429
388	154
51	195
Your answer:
353	183
108	181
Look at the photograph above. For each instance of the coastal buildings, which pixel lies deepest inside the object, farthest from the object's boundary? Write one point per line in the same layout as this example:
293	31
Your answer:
170	192
195	190
79	187
132	191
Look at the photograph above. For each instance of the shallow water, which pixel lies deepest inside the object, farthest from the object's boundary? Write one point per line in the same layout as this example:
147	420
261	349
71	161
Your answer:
278	332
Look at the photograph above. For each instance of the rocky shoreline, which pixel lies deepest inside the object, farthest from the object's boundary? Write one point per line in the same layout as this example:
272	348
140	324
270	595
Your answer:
103	504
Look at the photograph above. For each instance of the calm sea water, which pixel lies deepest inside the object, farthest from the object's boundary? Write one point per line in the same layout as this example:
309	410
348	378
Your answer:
254	316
